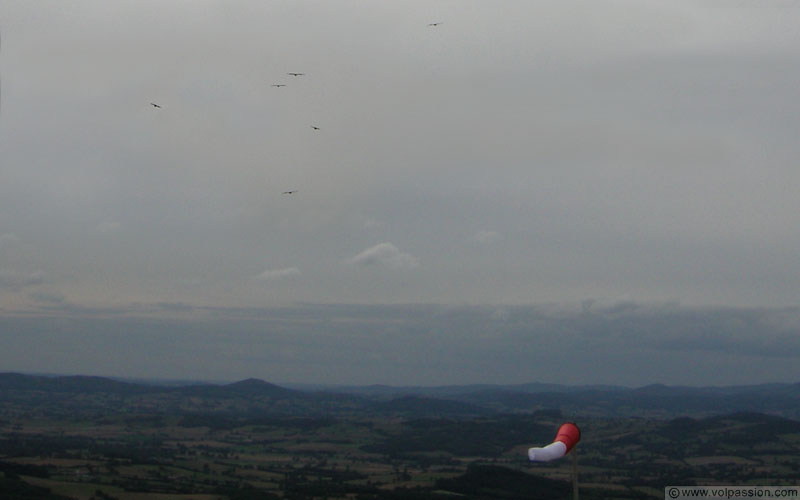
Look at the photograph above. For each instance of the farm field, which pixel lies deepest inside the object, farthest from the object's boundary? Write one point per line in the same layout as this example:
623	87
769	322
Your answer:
158	457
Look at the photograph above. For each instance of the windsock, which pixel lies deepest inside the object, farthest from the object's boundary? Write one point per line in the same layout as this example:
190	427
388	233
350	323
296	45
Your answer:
567	437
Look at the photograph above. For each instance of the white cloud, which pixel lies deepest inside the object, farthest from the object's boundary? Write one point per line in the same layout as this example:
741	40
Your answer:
385	254
271	274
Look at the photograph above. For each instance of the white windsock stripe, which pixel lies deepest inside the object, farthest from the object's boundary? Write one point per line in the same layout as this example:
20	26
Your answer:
550	452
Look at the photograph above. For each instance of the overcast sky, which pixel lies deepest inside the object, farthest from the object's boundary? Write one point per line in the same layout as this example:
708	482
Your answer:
613	183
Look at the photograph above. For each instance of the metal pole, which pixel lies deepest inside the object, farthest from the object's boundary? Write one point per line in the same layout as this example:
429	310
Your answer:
575	473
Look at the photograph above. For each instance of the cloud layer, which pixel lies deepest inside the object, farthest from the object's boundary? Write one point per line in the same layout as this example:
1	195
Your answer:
616	343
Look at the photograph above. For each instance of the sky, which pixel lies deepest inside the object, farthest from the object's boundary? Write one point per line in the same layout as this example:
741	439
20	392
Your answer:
579	192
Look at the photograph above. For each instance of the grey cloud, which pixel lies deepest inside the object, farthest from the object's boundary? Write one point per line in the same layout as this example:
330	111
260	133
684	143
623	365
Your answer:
48	297
14	281
634	173
174	306
55	304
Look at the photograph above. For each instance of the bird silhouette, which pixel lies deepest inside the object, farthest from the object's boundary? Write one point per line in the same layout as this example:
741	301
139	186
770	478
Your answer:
155	105
435	24
315	128
296	74
279	85
289	192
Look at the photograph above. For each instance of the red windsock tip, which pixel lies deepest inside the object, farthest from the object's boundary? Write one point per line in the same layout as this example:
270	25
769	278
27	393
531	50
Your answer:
569	434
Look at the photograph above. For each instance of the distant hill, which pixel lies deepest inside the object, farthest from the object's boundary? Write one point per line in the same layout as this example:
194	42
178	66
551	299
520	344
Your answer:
389	391
62	394
73	384
245	388
655	401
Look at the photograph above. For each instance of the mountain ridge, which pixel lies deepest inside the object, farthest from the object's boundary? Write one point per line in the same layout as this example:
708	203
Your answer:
256	396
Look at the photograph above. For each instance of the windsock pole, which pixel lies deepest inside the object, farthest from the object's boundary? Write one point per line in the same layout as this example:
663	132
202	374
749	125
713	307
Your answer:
575	473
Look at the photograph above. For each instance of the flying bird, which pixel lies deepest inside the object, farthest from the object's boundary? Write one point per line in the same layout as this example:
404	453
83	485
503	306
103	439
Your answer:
155	105
289	192
435	24
315	127
296	74
279	85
